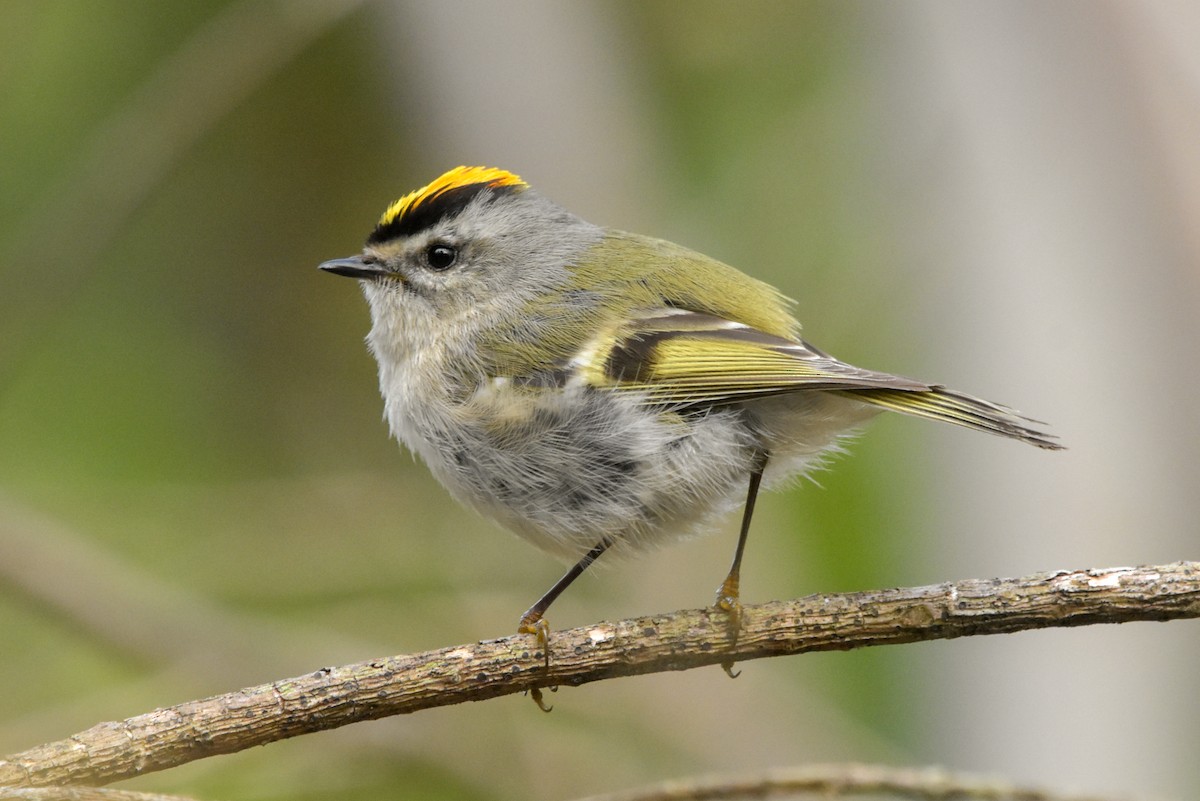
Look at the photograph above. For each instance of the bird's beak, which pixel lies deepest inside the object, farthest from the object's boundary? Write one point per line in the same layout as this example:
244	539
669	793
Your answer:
354	267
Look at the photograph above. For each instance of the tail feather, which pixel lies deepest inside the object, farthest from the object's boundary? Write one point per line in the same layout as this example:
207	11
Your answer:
948	406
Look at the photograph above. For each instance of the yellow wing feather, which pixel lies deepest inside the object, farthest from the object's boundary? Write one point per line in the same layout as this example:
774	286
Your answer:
680	359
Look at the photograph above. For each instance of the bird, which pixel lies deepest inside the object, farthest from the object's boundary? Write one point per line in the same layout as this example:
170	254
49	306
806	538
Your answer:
597	391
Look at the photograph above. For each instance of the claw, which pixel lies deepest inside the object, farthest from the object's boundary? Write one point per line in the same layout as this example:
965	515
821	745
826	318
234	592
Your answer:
731	606
536	694
728	596
538	627
728	602
533	623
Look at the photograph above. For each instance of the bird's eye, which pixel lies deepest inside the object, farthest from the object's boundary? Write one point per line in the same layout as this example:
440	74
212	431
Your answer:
440	256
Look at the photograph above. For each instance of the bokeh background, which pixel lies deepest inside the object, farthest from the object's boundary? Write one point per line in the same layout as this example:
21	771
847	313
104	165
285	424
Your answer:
197	491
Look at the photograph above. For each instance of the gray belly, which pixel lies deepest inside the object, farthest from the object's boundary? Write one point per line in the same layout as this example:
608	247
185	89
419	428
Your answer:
594	465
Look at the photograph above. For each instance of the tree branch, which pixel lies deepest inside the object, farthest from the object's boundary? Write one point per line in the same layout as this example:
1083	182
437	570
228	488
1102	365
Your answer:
835	781
332	697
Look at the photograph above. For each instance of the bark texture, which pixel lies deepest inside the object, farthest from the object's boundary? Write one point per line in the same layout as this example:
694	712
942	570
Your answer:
335	696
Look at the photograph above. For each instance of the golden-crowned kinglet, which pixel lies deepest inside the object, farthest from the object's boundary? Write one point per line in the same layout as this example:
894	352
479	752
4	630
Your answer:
595	390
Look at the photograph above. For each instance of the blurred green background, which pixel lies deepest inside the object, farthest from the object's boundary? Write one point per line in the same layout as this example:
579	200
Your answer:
197	491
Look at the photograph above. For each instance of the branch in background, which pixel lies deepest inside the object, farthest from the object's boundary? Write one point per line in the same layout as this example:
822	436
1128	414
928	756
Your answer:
831	781
333	697
828	781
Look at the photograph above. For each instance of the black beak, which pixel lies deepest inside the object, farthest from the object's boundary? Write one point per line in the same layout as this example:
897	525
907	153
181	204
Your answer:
354	267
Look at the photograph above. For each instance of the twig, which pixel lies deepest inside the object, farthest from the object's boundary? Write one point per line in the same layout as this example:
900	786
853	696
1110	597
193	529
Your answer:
333	697
830	781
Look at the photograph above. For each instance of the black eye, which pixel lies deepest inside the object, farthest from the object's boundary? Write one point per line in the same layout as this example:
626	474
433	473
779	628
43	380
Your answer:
440	256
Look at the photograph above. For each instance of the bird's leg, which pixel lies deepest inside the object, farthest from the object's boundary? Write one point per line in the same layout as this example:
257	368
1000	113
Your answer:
532	621
729	592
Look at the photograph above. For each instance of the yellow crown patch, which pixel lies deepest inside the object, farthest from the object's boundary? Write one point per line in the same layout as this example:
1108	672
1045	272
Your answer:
454	179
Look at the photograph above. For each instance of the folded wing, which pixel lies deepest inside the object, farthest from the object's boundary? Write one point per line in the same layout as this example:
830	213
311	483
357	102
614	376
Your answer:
680	359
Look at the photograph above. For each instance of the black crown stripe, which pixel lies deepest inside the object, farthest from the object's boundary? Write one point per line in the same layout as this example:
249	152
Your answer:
432	210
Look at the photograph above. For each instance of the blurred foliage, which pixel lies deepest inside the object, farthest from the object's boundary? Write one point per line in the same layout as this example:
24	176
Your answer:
184	392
